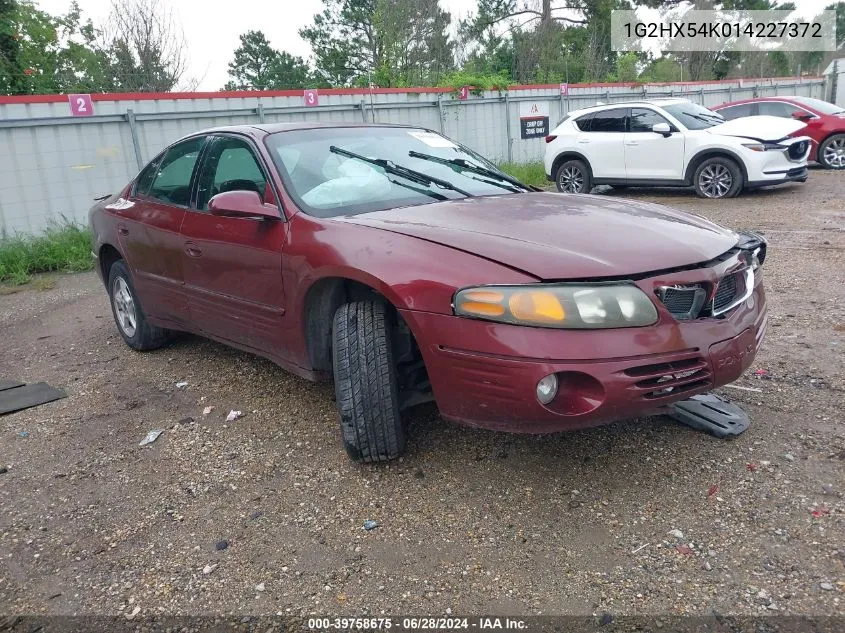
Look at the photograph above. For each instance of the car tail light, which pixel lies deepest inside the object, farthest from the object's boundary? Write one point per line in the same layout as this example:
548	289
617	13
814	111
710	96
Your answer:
550	138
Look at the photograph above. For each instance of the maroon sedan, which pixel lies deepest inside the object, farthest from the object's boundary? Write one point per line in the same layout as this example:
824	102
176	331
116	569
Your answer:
825	123
409	268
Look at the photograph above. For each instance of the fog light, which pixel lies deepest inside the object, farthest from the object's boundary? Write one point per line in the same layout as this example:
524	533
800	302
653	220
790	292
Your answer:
547	389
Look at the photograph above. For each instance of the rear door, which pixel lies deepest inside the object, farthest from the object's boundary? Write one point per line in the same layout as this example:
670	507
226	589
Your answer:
148	230
652	156
233	266
738	111
601	143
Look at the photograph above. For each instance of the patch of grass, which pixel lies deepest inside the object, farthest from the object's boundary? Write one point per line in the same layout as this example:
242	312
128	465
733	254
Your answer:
528	173
61	248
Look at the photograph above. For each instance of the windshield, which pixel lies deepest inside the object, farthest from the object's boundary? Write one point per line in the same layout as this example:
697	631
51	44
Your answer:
693	116
342	171
818	105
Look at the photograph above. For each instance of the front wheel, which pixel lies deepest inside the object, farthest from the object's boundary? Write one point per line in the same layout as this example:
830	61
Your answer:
365	382
832	152
718	177
573	177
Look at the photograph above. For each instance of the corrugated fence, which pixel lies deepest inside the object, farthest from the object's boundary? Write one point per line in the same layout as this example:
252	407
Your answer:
52	164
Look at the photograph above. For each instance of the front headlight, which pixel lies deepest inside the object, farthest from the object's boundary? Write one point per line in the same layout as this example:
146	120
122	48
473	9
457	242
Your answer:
764	147
575	306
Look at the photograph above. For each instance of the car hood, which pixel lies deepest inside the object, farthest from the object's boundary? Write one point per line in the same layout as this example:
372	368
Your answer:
758	128
561	236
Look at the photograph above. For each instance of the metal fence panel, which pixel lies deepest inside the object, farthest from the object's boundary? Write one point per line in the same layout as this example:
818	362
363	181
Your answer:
52	164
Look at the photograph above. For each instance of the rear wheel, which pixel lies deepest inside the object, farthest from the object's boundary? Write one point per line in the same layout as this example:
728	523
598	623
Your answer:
832	152
573	177
128	314
718	177
365	382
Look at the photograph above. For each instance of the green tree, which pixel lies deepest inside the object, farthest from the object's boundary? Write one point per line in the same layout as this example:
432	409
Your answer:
388	42
259	66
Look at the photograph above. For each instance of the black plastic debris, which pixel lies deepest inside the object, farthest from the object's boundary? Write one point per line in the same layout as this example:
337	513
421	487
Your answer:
15	396
712	414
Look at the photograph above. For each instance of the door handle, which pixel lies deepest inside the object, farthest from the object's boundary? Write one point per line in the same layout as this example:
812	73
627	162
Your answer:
122	229
632	143
193	251
583	140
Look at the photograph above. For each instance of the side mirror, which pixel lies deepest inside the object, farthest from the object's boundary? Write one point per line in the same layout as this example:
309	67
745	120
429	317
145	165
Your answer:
662	128
242	204
801	115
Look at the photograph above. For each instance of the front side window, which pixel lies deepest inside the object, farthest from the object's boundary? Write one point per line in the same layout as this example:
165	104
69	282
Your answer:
145	178
230	166
609	120
737	111
643	119
777	108
325	180
693	116
172	182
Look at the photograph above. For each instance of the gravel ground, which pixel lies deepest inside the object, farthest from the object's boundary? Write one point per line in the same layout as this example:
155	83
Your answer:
264	515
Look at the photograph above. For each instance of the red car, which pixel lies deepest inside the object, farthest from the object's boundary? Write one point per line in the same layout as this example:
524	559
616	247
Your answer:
407	267
825	123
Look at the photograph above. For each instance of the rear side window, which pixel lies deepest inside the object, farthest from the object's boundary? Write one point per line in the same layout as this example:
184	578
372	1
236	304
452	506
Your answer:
172	183
609	120
583	122
737	111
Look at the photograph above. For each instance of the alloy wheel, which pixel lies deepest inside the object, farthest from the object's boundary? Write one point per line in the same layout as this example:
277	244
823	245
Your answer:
834	153
124	306
571	179
715	180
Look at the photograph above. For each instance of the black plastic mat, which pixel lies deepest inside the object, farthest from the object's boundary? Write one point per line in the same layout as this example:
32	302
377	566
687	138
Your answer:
9	384
25	396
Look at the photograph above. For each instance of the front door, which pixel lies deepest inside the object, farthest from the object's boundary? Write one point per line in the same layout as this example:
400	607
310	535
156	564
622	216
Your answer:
652	156
148	230
233	266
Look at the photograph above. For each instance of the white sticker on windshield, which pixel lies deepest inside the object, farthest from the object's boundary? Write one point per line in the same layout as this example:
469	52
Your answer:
432	140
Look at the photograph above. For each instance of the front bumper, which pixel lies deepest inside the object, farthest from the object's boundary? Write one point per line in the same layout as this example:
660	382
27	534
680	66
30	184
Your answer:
485	374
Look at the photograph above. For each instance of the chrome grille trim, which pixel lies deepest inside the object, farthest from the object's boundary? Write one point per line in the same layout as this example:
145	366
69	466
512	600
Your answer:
749	289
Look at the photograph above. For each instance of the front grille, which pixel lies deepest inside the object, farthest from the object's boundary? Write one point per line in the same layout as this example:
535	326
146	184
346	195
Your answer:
797	150
725	293
684	302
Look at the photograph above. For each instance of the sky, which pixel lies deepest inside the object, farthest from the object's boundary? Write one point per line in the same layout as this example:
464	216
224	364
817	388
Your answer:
212	34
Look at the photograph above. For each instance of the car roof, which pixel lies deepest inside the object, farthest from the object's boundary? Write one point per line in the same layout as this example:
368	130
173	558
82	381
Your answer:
272	128
662	101
790	98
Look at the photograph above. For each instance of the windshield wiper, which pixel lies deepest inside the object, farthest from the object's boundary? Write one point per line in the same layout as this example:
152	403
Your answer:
464	165
398	170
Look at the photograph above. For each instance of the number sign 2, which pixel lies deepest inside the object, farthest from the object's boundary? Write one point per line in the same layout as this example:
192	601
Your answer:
80	105
311	98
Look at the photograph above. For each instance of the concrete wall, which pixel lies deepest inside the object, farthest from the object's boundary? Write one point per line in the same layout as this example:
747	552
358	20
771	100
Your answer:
53	164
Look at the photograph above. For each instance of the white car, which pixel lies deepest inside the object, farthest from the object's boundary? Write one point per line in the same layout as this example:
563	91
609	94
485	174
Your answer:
673	142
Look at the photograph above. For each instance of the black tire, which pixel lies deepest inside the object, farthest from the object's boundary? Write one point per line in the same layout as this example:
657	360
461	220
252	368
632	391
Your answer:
573	176
142	336
365	382
718	177
833	146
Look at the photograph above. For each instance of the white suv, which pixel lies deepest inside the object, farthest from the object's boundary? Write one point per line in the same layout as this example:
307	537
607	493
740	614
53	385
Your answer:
673	142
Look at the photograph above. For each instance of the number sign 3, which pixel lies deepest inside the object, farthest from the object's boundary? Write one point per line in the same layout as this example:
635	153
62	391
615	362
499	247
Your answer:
80	105
311	98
